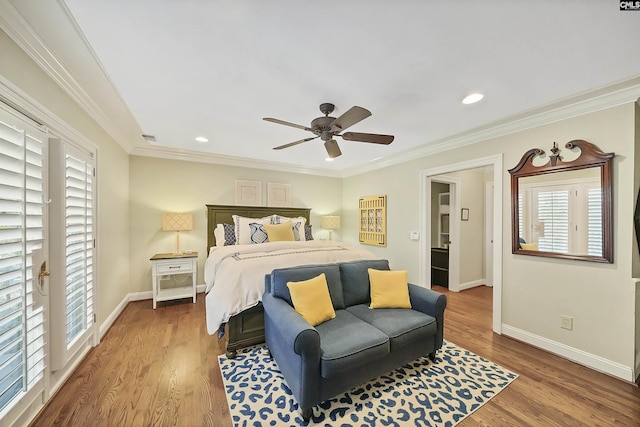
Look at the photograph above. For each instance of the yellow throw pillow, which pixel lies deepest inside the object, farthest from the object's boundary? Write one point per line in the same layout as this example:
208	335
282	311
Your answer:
311	299
529	246
279	232
389	289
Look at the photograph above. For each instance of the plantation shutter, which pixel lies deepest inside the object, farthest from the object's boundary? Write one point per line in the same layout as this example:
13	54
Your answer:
553	212
594	221
21	233
72	311
79	245
521	215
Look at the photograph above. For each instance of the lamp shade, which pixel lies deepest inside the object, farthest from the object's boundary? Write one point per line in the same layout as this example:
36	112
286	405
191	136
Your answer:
330	222
173	221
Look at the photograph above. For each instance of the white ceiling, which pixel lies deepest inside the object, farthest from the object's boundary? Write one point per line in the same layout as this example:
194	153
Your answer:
216	68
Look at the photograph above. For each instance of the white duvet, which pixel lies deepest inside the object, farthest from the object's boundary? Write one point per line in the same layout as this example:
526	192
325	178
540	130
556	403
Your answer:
234	275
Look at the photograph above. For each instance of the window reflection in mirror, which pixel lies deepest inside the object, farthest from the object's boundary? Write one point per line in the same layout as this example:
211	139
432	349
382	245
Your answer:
561	212
563	209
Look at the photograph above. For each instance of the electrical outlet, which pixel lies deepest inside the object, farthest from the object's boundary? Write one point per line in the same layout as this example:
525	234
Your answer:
566	322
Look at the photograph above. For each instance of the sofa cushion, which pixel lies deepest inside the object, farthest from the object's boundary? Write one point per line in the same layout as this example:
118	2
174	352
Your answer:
402	326
346	342
311	299
389	289
280	277
355	279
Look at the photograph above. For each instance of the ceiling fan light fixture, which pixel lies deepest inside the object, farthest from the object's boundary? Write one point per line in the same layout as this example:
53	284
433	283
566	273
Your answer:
326	128
332	148
472	98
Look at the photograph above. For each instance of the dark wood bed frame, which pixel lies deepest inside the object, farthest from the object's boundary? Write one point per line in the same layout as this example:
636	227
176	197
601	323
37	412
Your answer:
245	328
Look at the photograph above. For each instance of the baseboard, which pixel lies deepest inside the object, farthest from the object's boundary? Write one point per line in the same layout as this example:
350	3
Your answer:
575	355
134	296
469	285
104	326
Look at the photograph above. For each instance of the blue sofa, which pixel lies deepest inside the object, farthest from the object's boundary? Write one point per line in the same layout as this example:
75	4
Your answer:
359	344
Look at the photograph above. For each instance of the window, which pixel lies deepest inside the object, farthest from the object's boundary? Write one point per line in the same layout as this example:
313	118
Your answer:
563	217
551	219
594	221
21	234
72	243
79	245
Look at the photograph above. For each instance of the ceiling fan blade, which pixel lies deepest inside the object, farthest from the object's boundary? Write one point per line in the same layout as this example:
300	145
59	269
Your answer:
368	137
291	144
332	148
349	118
282	122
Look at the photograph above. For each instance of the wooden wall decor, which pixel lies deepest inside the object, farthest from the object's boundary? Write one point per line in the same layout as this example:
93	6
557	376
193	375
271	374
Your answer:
373	220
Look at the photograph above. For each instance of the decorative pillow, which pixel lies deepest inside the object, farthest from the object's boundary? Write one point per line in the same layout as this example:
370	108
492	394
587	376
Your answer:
229	234
279	232
308	233
529	246
277	219
295	229
311	299
218	233
242	230
389	289
258	233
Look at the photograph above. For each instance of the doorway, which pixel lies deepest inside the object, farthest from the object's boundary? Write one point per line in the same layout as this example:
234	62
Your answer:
494	163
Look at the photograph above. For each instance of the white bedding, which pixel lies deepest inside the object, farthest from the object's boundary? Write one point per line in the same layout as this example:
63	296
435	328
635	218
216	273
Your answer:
234	274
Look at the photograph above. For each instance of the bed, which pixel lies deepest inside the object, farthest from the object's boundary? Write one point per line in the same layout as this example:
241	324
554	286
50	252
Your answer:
234	274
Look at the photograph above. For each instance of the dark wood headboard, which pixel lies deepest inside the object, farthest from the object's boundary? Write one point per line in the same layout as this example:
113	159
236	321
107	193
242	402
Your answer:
221	214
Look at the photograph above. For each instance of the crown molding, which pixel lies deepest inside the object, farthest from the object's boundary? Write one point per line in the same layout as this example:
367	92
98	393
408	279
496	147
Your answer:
627	91
18	20
54	57
217	159
58	128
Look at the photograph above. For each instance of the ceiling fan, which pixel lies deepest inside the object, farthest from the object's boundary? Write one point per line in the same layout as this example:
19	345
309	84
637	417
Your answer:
327	128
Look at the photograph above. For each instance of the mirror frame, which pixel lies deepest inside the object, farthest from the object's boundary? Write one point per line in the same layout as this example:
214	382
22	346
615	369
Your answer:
590	157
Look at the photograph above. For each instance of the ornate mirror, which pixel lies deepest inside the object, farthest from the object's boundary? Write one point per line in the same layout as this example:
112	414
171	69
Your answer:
563	209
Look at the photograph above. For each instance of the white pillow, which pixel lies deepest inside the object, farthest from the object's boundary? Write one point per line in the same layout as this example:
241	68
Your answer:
218	233
243	231
298	230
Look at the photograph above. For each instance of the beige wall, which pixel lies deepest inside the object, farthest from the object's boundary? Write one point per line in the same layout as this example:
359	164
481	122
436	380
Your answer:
472	183
160	185
535	291
112	171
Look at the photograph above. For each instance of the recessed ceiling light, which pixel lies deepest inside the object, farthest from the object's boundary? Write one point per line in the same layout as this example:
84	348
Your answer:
473	98
201	139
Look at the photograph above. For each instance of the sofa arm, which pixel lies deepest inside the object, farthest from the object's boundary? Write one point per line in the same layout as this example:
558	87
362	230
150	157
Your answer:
295	346
432	303
293	330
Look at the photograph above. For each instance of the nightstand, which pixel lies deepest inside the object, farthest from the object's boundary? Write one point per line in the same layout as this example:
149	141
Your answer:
169	265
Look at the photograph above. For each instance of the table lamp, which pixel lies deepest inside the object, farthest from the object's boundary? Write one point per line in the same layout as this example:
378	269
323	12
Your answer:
330	222
177	222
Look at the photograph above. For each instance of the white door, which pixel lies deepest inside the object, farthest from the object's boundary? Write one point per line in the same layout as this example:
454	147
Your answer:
23	251
488	244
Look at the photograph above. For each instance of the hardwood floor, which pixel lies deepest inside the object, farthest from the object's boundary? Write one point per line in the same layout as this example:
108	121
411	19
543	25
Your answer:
159	368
